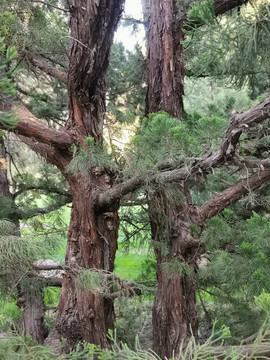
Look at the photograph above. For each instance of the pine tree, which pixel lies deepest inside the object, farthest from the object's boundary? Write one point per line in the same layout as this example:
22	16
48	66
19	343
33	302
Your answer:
97	184
175	301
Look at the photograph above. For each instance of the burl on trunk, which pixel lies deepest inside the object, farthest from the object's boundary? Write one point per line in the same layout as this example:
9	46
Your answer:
92	244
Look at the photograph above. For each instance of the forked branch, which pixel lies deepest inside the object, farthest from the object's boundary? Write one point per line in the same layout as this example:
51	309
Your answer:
196	166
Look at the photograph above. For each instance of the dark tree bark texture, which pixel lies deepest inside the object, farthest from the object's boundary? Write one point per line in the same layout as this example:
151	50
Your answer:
93	232
165	58
174	310
33	314
92	236
4	185
92	244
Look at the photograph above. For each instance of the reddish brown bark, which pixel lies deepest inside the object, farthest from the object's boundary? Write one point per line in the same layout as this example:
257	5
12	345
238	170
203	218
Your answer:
165	58
235	192
174	310
92	243
92	237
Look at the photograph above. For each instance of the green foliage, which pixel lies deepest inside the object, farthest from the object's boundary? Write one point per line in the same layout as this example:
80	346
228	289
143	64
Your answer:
92	280
234	48
33	27
6	227
134	228
126	83
237	271
7	54
93	156
161	138
178	268
19	253
8	209
133	318
23	348
51	296
7	86
263	302
9	314
202	13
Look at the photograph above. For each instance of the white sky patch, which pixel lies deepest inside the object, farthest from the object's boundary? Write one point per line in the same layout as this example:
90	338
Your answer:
126	35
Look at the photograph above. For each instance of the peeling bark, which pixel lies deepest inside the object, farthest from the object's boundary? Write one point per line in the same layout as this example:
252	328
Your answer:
174	310
92	244
92	236
165	58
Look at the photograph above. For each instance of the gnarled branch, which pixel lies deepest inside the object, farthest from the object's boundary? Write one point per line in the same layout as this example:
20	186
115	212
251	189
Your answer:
197	166
235	192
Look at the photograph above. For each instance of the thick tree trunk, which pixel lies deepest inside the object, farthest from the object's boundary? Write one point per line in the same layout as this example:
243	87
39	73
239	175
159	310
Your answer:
92	237
83	315
174	310
92	244
165	58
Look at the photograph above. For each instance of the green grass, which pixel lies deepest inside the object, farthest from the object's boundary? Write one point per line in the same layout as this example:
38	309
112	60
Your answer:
129	266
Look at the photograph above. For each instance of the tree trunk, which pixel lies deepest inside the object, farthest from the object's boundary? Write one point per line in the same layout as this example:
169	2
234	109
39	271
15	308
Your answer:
33	315
165	58
92	237
92	244
4	186
93	232
174	310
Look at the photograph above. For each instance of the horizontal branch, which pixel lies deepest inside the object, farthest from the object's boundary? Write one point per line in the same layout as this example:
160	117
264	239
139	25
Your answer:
30	126
44	210
50	5
235	192
261	164
49	153
197	166
222	6
34	187
47	68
